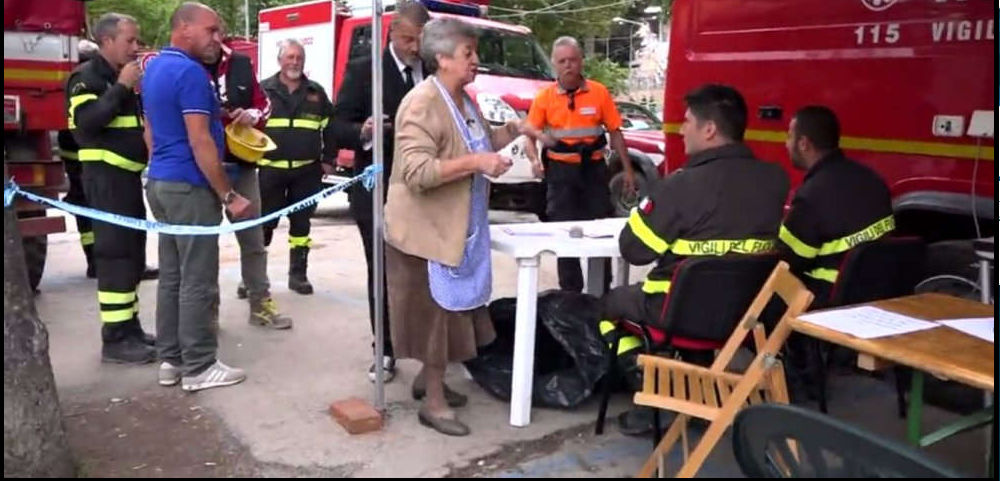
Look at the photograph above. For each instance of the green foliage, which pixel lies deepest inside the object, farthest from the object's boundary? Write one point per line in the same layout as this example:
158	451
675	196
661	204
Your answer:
154	15
551	19
548	19
607	72
582	19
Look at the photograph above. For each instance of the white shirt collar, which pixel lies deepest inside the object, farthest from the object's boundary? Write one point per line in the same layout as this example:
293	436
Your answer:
418	71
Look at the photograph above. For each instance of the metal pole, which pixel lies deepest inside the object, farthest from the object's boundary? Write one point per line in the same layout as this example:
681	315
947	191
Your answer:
378	249
986	296
631	48
985	282
246	19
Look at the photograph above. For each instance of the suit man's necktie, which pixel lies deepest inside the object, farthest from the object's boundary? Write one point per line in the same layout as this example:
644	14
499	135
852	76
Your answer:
408	77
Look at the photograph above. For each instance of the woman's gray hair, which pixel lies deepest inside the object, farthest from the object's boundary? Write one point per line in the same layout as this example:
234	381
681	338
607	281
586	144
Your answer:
441	36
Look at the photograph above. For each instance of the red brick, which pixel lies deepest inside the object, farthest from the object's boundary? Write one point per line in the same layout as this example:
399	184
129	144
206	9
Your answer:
356	416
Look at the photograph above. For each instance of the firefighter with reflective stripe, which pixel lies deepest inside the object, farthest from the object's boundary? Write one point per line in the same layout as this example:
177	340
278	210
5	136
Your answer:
69	153
301	125
723	202
576	113
104	117
823	223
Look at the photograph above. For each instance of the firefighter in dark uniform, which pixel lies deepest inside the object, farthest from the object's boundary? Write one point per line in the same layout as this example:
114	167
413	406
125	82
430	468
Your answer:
823	224
724	201
301	125
105	119
69	154
577	112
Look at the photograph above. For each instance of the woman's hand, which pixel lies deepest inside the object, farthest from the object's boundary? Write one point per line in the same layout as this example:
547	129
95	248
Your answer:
492	164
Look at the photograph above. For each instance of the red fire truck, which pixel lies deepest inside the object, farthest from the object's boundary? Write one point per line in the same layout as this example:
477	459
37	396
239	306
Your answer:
912	82
39	42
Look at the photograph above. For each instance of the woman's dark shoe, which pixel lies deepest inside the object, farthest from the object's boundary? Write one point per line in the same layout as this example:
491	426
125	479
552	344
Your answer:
454	399
449	427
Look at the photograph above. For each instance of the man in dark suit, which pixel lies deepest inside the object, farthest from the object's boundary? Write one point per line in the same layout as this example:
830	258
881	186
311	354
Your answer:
402	69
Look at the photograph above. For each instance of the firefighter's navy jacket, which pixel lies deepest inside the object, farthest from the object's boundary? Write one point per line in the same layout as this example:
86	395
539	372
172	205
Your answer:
301	125
724	201
104	117
839	205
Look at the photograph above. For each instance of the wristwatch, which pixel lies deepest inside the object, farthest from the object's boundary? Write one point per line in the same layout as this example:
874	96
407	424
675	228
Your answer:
229	197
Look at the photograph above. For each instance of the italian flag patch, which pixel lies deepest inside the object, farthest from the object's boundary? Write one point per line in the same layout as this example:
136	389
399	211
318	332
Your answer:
646	205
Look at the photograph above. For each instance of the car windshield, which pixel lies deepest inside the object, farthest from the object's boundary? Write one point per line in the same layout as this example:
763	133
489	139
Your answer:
512	54
636	117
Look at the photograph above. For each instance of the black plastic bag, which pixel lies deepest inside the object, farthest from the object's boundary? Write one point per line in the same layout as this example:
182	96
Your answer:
569	352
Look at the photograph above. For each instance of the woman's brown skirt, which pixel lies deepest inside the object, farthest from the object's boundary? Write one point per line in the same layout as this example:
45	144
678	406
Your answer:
421	329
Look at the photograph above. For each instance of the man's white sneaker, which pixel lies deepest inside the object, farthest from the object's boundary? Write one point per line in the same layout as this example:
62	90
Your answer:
169	374
218	375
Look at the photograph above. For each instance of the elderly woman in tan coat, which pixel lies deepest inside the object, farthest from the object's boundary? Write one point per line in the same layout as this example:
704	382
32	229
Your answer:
437	229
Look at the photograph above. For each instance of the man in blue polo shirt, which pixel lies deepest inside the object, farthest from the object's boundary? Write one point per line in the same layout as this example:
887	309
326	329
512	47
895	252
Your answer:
188	186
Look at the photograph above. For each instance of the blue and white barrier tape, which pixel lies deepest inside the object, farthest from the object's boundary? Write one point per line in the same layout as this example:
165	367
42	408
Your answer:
367	178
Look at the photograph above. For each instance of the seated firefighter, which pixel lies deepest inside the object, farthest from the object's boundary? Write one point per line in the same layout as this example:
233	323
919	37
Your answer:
823	224
725	201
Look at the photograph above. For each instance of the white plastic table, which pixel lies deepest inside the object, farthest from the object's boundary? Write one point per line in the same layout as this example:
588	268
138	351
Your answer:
526	243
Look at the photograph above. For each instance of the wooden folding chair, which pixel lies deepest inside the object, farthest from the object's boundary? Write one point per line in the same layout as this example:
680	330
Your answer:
713	393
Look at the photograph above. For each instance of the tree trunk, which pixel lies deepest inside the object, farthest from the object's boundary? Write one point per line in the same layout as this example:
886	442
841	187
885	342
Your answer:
34	441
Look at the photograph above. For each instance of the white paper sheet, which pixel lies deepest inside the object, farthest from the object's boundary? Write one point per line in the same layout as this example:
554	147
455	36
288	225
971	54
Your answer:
981	327
601	229
539	229
867	322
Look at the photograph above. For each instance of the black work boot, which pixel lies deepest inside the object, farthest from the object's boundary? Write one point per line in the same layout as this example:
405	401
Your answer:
241	291
88	252
134	328
122	346
150	273
299	263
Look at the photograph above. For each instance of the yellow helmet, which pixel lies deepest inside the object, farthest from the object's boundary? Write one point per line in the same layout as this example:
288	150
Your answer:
248	143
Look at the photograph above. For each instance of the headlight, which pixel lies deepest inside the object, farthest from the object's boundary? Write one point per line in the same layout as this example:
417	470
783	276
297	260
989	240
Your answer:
495	109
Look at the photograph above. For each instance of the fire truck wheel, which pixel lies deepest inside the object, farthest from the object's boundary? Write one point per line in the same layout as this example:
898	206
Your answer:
35	249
